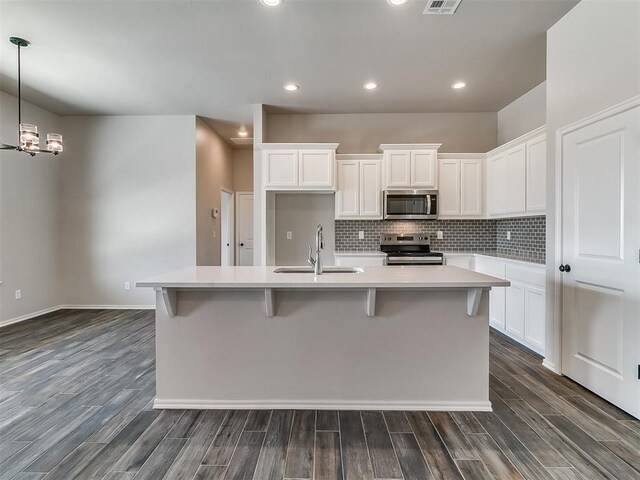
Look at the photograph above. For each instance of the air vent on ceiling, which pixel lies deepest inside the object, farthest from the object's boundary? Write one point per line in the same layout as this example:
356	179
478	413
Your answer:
441	7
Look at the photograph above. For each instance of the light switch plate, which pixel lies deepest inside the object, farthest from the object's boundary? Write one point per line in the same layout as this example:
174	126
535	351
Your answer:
289	235
508	235
361	234
18	294
440	235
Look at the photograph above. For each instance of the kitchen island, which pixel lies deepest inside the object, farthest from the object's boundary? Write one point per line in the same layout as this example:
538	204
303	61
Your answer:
381	338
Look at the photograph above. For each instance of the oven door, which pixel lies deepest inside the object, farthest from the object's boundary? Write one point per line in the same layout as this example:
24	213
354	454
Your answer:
411	204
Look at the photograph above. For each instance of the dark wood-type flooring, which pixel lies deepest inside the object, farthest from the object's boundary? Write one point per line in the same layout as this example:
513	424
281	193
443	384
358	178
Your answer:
76	392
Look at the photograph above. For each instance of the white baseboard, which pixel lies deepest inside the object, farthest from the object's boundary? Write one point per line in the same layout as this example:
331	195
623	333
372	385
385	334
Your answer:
106	307
29	316
551	366
182	404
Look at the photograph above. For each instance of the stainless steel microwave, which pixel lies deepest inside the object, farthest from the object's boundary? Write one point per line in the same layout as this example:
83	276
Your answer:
411	204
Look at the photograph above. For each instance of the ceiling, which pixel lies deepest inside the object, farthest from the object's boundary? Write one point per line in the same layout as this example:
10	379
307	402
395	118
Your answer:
215	58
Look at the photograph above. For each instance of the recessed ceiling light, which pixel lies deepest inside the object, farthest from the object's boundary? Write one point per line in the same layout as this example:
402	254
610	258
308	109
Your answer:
243	132
370	86
395	3
291	87
271	3
458	85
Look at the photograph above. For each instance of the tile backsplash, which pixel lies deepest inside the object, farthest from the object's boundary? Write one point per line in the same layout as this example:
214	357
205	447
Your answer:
484	235
458	235
528	237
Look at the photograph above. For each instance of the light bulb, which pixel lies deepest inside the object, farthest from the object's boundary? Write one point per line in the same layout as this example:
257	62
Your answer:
29	138
54	142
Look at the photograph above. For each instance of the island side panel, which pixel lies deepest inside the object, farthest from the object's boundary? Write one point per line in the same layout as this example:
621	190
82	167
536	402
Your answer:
420	351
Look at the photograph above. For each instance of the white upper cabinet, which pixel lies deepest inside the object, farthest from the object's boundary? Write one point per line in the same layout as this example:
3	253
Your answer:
497	184
516	177
398	171
460	192
299	166
281	168
537	174
449	193
316	168
424	167
411	166
471	191
359	192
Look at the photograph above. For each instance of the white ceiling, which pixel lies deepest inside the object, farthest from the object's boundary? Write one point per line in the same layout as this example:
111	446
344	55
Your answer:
216	57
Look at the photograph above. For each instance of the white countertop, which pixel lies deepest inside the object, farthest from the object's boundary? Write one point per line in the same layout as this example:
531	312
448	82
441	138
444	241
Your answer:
354	253
403	277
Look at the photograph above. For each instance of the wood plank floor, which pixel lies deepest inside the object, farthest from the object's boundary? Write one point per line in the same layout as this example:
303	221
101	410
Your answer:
76	392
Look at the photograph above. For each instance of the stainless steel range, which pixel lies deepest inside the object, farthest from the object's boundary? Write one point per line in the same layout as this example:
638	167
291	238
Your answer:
409	249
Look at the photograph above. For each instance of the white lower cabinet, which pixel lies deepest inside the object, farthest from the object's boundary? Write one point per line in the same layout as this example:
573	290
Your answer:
517	311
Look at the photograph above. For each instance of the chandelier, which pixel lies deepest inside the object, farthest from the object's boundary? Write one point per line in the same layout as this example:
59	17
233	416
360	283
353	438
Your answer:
27	133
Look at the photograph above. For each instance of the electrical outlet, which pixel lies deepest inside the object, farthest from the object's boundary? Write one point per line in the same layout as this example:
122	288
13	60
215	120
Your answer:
440	235
361	235
289	235
127	286
18	294
508	235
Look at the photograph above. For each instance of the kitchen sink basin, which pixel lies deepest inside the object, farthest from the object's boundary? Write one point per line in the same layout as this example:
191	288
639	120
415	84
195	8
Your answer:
324	270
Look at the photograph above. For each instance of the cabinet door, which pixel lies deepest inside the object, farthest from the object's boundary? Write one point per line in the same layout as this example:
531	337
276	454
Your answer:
280	168
516	168
470	187
534	318
316	168
371	189
515	310
449	192
424	169
462	261
497	313
398	168
496	185
537	175
347	194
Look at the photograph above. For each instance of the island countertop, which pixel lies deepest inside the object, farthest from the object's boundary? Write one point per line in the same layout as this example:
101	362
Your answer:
401	277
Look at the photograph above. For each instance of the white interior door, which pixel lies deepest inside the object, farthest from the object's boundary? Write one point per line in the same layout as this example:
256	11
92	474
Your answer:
227	221
600	243
244	228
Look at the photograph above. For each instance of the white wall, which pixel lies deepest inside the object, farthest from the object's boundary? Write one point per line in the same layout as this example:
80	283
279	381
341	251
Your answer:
363	133
128	203
214	171
523	114
593	62
29	216
300	214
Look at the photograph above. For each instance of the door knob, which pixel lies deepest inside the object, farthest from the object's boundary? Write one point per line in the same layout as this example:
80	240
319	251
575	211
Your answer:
565	268
242	244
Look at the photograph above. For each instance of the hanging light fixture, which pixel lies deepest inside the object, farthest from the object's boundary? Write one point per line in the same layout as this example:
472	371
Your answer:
28	137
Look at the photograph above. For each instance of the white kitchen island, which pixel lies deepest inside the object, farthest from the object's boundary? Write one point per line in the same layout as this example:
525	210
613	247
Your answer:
386	338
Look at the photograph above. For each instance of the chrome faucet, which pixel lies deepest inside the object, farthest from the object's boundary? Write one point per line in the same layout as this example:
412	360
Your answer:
316	263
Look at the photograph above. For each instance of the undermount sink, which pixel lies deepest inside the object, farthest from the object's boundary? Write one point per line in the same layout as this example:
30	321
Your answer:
324	270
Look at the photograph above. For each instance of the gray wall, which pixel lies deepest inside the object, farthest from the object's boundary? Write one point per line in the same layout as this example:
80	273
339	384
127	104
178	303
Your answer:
593	62
243	170
128	205
29	216
523	115
300	214
363	133
214	171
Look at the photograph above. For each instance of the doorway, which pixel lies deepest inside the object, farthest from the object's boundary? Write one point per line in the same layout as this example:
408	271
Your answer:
244	229
227	220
